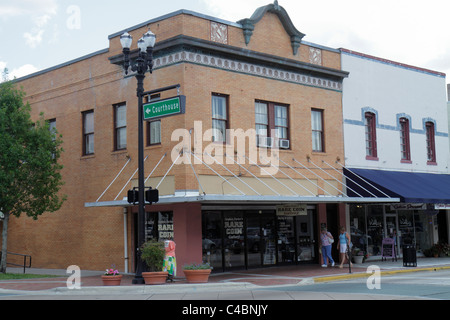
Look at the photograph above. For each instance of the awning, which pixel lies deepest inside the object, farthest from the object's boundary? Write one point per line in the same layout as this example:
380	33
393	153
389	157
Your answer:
249	188
410	187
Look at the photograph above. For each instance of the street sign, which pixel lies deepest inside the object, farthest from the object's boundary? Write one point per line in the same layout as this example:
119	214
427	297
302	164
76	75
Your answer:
165	108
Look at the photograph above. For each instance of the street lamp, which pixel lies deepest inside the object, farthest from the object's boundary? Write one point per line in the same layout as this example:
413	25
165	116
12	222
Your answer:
144	63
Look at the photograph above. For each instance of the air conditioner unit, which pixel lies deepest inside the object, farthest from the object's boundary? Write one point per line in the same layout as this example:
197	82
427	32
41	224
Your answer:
283	144
265	142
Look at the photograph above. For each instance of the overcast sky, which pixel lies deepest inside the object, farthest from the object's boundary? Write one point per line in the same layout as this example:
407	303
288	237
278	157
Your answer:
38	34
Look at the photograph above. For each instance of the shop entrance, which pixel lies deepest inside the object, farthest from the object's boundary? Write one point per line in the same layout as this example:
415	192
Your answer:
243	239
261	243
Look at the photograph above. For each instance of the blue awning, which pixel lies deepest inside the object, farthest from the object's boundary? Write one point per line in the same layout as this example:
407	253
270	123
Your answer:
410	187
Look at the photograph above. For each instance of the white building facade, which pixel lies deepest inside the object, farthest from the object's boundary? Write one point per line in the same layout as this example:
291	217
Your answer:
396	144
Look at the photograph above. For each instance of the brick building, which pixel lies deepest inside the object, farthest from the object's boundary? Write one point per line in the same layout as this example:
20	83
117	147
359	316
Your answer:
256	74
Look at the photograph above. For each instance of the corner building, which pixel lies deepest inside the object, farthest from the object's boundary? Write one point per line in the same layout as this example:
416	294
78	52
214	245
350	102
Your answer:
260	203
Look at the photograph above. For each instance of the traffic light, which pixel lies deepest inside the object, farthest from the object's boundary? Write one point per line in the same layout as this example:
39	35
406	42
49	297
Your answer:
133	196
152	195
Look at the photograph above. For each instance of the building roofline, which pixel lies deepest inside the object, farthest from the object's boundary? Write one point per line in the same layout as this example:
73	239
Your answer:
390	62
64	64
207	17
173	14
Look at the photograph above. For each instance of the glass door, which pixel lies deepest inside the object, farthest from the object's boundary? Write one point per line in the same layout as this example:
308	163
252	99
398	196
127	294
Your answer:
286	239
253	242
305	238
260	240
268	237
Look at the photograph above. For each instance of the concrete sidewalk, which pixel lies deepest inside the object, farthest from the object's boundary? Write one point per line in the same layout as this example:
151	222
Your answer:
245	280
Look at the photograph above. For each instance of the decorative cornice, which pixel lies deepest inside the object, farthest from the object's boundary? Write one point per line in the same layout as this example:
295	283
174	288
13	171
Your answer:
248	25
227	52
233	65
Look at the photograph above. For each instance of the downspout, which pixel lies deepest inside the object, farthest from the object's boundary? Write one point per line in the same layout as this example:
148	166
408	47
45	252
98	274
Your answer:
125	237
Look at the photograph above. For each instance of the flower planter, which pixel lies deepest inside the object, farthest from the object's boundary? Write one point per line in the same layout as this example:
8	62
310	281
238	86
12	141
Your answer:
358	259
197	276
153	278
112	280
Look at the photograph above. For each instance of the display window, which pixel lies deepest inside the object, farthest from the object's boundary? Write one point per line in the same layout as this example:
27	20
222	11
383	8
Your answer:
159	226
240	239
370	224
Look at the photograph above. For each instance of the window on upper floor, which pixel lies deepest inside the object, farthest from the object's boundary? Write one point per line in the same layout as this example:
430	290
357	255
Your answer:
404	141
88	132
317	130
153	127
120	126
371	136
431	148
154	132
272	124
219	117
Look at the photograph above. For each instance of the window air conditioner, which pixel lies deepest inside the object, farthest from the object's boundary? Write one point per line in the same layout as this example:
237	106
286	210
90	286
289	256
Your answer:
283	144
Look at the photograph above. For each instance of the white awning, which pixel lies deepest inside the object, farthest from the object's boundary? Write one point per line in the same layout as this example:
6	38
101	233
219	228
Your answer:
244	192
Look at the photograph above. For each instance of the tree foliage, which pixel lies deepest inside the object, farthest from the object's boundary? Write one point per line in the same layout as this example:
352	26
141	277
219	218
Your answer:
30	178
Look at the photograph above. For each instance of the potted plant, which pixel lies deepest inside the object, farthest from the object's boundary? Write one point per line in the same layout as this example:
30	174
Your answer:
197	273
358	255
111	277
152	252
435	251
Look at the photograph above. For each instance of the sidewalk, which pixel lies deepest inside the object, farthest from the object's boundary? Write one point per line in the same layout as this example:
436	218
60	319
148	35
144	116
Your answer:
245	279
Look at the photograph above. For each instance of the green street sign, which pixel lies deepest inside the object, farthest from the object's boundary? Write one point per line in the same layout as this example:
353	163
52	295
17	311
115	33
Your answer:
165	108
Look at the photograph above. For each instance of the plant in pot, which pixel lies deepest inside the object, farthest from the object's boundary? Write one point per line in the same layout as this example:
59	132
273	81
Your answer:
197	273
111	277
357	255
152	253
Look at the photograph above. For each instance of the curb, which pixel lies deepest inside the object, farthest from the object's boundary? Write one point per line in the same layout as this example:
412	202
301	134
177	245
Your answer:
367	274
141	289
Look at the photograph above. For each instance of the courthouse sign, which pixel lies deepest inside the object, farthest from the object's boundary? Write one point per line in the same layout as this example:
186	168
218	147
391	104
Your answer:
165	108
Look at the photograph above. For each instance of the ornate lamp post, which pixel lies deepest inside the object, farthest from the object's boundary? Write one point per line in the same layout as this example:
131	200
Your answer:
143	63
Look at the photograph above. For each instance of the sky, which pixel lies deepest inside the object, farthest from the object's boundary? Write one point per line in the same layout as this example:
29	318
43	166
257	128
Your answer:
40	34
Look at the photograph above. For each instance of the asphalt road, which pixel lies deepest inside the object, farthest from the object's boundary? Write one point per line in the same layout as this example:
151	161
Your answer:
403	286
416	285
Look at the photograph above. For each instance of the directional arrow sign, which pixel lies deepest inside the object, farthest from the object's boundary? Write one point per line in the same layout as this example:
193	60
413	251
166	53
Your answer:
165	108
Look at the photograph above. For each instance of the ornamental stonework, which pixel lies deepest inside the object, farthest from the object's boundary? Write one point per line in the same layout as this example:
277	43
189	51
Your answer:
315	56
219	32
245	68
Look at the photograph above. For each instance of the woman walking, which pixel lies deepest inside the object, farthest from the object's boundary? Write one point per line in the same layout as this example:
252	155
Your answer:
326	239
343	245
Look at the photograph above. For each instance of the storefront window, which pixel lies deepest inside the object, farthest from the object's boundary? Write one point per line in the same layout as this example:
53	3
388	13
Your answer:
423	226
406	225
238	239
375	230
234	246
159	226
286	239
305	237
358	228
212	238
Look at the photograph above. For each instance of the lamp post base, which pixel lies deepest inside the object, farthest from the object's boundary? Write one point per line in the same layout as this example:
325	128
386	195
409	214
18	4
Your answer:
138	280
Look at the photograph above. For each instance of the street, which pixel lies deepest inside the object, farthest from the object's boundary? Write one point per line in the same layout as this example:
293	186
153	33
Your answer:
402	286
415	285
